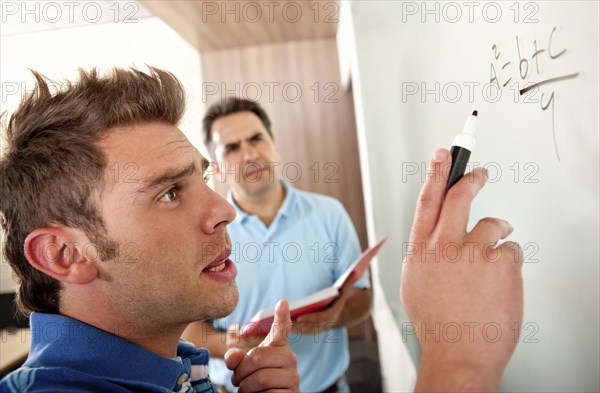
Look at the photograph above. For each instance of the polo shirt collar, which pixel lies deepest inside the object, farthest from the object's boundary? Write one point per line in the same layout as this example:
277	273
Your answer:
60	341
285	210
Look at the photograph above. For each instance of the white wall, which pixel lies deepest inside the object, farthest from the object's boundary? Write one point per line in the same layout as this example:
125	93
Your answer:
398	370
553	204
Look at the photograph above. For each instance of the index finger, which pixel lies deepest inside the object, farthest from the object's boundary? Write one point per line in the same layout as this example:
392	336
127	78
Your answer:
278	336
454	216
431	197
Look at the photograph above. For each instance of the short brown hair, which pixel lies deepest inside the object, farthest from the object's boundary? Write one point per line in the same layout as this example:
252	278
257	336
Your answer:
51	168
230	106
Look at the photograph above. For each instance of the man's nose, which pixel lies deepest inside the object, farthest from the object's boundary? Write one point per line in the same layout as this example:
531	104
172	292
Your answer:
249	153
218	212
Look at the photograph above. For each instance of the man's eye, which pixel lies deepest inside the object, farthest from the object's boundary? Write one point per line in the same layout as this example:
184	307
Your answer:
169	196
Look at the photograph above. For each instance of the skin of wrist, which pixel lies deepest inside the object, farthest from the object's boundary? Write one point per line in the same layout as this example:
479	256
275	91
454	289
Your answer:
457	371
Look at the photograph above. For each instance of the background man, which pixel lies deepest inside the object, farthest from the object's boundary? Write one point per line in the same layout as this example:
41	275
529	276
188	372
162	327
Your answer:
287	243
107	218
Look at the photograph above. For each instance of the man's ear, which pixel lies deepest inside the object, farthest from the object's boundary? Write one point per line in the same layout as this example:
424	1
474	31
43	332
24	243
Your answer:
60	252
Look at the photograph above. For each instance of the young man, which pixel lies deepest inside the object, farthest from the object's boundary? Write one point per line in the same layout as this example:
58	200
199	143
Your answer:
287	243
118	243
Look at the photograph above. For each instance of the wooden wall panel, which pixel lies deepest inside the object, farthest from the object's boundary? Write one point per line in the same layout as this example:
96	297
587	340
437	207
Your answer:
315	132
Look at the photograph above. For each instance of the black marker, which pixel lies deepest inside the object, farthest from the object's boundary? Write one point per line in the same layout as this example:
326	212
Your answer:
461	149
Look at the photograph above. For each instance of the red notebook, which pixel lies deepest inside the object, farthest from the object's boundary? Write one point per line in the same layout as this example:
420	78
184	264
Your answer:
260	324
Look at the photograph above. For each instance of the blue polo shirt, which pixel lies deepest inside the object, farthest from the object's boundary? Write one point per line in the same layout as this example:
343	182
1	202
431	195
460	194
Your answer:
68	355
309	244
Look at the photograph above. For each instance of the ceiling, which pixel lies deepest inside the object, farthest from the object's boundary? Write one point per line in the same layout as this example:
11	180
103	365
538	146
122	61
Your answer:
217	25
38	16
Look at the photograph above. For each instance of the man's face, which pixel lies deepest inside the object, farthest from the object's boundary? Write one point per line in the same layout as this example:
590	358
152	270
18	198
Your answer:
246	154
171	228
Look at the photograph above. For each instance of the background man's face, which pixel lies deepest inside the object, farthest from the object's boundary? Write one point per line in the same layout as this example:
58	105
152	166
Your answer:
246	154
170	226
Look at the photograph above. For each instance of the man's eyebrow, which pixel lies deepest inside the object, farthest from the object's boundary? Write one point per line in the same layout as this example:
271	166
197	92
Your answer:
232	144
169	176
257	133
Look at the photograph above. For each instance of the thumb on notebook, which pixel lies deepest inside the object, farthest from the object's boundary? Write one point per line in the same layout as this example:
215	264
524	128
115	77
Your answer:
346	289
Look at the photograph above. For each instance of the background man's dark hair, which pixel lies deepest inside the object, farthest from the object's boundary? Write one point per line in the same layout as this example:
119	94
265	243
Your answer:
52	171
230	106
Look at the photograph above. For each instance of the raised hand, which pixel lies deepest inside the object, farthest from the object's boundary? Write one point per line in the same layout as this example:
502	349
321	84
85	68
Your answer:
462	292
271	366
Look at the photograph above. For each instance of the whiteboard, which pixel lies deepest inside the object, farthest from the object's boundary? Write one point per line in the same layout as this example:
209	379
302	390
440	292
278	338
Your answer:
531	70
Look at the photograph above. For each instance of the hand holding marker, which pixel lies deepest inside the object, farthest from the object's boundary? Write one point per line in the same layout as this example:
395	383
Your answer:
461	149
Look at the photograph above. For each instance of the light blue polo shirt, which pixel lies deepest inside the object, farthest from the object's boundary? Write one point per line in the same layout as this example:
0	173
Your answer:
309	244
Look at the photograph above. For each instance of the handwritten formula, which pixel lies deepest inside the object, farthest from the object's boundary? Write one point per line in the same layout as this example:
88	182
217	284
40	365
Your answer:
503	71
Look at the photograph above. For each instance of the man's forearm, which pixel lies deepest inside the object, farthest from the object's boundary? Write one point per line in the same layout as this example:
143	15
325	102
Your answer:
438	373
356	309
